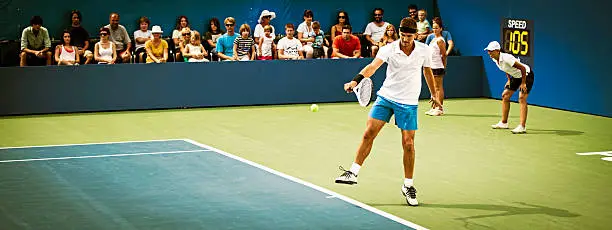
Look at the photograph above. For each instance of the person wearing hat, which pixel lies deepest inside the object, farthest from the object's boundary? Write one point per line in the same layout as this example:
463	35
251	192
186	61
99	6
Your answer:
264	20
157	49
520	77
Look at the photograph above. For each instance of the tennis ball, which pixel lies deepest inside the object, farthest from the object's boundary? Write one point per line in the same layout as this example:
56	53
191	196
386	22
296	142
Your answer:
314	108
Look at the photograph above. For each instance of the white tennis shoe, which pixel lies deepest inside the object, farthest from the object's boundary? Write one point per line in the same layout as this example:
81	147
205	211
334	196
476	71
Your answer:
500	125
347	177
519	129
410	194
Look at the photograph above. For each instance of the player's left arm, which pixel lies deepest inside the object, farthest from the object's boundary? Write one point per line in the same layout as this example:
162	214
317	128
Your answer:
367	71
523	75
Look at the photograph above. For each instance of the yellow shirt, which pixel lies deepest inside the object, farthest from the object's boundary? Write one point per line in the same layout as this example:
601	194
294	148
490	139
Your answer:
158	50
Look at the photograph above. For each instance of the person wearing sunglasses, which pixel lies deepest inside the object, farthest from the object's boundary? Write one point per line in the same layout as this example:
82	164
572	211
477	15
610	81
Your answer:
413	12
186	35
375	30
225	44
342	19
105	51
264	20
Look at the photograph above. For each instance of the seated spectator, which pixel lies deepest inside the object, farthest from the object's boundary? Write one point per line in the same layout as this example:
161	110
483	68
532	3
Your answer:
211	37
320	44
423	26
244	46
186	39
105	51
445	35
142	36
35	43
375	30
264	20
181	23
195	51
119	36
289	47
343	19
266	47
80	37
390	36
305	33
157	48
65	53
347	45
413	11
225	44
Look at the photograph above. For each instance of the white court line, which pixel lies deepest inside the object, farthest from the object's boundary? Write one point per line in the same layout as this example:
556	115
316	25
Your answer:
321	189
102	156
604	153
96	143
607	158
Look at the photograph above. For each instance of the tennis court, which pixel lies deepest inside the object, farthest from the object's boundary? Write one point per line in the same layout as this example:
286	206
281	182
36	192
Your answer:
468	176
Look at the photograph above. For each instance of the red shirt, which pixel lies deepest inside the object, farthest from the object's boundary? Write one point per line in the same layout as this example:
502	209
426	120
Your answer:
347	47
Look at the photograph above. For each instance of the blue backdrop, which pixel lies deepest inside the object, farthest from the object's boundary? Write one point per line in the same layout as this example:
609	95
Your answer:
570	54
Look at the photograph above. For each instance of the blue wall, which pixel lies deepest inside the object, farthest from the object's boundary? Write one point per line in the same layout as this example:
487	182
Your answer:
53	89
15	15
571	52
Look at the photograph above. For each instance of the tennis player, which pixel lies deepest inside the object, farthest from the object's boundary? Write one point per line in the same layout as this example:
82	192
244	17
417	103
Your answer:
398	96
520	77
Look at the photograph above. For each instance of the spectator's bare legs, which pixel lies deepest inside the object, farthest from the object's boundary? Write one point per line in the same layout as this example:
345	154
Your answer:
49	57
308	50
523	104
409	153
373	128
125	56
88	58
23	57
506	104
374	50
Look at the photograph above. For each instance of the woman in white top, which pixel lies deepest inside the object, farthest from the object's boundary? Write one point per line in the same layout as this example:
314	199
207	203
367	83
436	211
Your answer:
194	51
65	54
104	51
520	77
438	65
305	33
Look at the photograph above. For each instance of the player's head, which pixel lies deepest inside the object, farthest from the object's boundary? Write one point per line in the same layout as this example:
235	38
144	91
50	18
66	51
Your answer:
407	31
493	49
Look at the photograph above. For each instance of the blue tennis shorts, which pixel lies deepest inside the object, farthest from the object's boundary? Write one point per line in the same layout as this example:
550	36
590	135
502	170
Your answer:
405	115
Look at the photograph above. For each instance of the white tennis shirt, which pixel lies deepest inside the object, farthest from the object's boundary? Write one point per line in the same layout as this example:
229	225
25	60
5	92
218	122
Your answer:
506	64
403	82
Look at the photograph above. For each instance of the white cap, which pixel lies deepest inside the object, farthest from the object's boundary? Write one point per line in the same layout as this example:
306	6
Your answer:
494	45
266	13
156	30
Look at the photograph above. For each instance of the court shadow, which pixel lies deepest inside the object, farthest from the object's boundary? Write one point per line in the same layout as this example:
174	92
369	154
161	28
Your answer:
472	115
559	132
502	210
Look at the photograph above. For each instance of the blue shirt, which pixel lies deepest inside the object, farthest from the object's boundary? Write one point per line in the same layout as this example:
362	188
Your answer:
445	34
225	44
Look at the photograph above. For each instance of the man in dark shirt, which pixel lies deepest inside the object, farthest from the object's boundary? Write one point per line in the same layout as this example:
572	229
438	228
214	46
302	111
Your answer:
80	37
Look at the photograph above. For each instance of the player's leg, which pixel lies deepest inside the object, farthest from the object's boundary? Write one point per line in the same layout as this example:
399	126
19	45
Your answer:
439	86
508	92
406	120
521	128
379	115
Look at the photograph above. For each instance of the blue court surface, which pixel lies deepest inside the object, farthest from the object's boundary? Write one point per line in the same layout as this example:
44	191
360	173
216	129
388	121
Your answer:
165	184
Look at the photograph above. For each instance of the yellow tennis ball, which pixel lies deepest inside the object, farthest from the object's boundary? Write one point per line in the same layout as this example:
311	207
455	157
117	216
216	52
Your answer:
314	108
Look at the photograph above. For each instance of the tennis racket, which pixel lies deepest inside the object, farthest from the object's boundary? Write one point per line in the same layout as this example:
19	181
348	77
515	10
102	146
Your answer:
364	91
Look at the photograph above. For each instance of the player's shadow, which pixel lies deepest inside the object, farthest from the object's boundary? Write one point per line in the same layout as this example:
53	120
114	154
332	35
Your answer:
559	132
473	115
501	210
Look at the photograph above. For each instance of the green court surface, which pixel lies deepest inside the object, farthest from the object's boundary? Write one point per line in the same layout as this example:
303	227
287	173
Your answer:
468	176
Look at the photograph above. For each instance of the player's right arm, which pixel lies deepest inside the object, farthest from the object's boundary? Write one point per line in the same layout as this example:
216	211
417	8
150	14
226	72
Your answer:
367	71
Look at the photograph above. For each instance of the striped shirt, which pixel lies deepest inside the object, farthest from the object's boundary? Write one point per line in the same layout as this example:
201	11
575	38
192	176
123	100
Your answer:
244	46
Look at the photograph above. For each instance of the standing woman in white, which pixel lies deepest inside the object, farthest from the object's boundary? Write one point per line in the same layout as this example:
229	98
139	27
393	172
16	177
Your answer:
438	65
520	77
